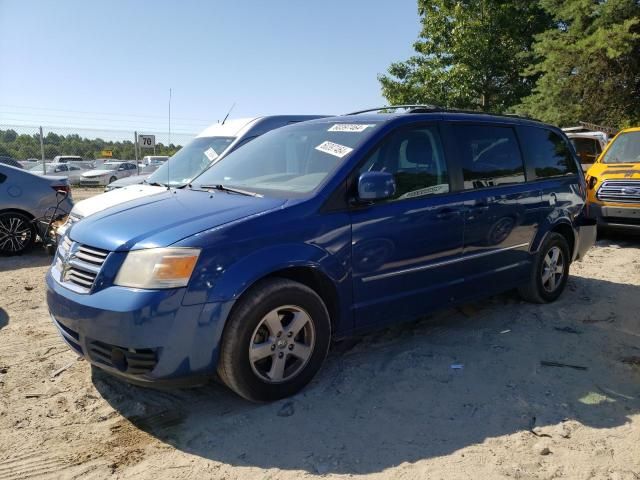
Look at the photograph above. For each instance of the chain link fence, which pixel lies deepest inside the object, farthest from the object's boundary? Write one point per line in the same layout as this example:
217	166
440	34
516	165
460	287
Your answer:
32	144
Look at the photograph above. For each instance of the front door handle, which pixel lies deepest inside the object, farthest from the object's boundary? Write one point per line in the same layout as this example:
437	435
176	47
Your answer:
447	213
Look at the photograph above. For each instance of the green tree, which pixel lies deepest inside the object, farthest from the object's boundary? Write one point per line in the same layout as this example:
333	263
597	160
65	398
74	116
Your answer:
589	64
28	146
469	55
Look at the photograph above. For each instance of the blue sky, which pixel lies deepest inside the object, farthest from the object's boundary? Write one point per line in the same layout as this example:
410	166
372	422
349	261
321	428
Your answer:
110	63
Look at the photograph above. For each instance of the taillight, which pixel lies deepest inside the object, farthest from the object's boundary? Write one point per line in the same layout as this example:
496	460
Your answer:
62	188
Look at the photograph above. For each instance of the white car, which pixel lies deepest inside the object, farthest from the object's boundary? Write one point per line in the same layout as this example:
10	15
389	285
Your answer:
72	170
208	147
109	172
155	160
67	159
588	144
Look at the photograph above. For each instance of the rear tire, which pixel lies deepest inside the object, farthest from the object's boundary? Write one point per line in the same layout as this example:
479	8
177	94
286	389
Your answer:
275	341
550	271
17	233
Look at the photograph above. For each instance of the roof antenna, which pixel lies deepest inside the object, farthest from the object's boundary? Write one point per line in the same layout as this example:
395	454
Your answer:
169	145
228	113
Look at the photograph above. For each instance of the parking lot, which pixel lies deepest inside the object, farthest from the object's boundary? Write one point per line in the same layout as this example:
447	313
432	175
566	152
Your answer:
496	389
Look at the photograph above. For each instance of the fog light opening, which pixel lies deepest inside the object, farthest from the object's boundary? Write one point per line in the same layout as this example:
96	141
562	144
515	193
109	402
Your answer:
119	359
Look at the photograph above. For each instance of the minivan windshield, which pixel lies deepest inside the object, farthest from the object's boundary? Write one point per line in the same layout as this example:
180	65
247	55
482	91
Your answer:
624	149
293	159
190	161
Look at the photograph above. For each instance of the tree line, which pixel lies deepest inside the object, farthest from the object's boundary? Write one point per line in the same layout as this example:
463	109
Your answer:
561	61
23	146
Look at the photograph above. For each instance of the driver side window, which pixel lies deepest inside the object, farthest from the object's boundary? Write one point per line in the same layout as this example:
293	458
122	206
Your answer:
415	157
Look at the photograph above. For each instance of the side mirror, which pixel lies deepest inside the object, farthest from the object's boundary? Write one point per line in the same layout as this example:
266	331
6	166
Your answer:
376	186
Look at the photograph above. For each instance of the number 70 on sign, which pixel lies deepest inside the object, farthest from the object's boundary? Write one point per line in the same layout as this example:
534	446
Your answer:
147	141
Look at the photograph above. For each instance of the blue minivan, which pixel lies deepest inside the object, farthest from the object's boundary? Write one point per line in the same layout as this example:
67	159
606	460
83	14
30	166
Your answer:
319	230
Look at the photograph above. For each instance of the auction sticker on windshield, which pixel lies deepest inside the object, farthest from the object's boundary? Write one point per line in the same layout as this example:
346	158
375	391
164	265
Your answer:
349	127
334	149
211	154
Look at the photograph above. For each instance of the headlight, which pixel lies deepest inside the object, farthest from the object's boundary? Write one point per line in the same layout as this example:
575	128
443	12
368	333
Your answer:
158	268
71	219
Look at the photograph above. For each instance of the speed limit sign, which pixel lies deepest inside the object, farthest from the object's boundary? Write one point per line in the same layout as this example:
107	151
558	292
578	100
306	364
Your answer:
147	141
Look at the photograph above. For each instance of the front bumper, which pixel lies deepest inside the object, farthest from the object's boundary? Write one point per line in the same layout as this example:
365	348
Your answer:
93	181
144	336
624	218
587	233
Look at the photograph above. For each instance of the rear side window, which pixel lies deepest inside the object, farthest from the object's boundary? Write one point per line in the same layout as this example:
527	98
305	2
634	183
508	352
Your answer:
415	158
489	156
547	153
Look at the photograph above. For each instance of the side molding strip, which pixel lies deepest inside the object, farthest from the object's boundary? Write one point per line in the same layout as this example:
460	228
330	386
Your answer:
442	264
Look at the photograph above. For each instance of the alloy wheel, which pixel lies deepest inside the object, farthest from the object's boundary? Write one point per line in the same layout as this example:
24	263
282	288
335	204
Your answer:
282	344
15	233
552	269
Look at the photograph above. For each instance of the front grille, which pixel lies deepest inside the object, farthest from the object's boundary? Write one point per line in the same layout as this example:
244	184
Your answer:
84	181
79	264
619	191
127	360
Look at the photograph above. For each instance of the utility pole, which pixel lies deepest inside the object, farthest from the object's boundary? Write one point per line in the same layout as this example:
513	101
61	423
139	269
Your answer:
44	168
135	149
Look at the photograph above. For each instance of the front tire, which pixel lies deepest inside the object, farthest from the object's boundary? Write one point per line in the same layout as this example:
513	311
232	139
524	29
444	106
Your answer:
112	179
550	271
275	341
17	233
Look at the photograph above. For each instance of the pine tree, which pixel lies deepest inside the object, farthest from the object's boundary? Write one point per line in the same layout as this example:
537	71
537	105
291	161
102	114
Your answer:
469	55
589	64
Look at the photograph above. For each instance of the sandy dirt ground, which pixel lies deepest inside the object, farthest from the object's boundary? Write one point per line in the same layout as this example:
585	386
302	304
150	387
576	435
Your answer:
386	406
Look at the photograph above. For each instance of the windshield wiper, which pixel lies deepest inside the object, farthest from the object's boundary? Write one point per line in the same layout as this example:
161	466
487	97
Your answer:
224	188
154	184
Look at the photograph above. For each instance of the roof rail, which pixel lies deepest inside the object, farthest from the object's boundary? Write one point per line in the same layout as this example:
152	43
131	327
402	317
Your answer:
396	107
438	109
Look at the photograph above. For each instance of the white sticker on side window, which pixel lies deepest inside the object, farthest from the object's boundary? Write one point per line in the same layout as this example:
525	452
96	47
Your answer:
349	127
211	154
334	149
434	190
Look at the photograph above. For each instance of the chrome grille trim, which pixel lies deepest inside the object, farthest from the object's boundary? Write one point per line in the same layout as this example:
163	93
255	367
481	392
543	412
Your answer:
619	191
78	265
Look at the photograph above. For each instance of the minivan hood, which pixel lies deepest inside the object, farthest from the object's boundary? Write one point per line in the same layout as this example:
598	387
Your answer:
165	218
103	201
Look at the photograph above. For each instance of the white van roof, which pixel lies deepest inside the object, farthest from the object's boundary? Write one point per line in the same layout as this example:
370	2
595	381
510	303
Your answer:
230	128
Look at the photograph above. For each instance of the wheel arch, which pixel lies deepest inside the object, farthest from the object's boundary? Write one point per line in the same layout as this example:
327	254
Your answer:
562	227
566	230
317	281
17	210
308	275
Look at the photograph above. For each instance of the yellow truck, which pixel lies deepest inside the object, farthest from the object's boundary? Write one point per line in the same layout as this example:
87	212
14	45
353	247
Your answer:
613	183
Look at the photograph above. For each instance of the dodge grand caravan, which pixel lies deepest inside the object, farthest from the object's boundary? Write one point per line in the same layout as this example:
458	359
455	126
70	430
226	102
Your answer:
318	230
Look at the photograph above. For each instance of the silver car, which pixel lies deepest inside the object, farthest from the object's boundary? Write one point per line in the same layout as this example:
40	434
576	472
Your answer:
108	173
24	199
72	170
